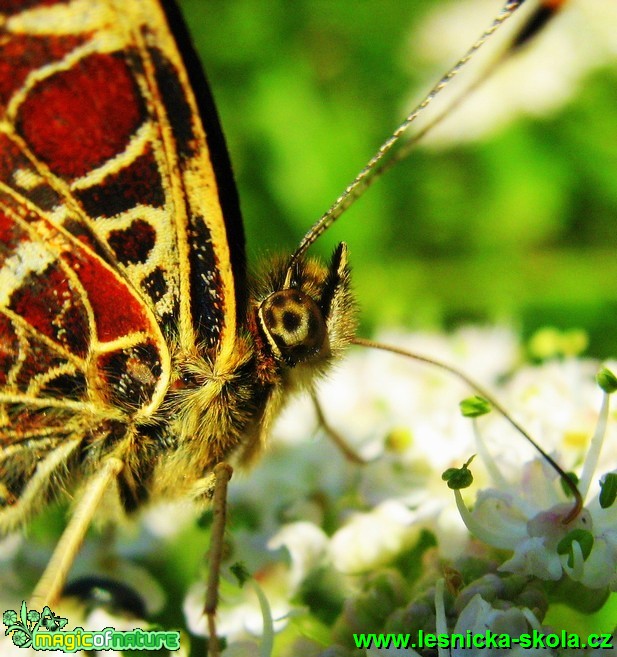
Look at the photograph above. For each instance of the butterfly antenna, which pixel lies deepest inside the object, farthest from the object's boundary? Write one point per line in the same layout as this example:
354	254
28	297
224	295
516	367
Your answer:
532	26
578	499
380	163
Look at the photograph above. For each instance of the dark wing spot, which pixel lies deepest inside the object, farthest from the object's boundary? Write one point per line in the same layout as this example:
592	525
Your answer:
132	245
155	284
66	386
138	183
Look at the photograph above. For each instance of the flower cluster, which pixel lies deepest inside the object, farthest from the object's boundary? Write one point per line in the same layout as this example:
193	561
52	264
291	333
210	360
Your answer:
335	549
368	548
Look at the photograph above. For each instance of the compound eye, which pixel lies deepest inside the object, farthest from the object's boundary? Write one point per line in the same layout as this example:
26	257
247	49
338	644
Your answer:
293	325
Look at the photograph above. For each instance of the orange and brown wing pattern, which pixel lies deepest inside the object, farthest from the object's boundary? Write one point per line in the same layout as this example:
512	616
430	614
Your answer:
113	245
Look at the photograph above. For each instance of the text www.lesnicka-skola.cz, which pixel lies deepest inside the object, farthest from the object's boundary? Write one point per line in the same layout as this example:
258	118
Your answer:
486	639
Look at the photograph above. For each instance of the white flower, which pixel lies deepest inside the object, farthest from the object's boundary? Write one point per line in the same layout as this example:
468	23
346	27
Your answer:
404	414
306	544
479	617
533	519
240	614
373	539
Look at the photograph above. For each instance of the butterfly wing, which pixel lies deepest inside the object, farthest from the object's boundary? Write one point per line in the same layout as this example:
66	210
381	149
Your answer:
114	251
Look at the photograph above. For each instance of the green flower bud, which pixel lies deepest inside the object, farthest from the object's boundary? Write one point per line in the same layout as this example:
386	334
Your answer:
459	478
475	406
606	380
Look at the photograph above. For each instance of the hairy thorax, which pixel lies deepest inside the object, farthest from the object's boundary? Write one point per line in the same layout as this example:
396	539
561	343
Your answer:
220	407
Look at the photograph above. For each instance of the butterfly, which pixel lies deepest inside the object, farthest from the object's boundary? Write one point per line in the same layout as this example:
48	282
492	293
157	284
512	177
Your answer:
134	359
133	349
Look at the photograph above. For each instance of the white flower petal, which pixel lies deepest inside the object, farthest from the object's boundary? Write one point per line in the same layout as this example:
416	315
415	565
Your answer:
372	539
307	545
532	558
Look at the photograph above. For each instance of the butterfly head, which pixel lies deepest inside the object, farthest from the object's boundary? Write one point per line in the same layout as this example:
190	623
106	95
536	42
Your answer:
305	312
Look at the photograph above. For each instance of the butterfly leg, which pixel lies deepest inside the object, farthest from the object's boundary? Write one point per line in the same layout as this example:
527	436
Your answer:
49	588
334	436
222	474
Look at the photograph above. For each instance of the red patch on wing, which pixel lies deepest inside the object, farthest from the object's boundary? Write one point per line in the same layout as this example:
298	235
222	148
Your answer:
21	54
10	235
117	312
49	304
76	120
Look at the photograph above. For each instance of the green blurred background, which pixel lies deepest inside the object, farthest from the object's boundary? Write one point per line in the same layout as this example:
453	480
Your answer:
518	227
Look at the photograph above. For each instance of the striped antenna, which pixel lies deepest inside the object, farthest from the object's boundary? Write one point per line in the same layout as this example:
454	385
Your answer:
387	156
